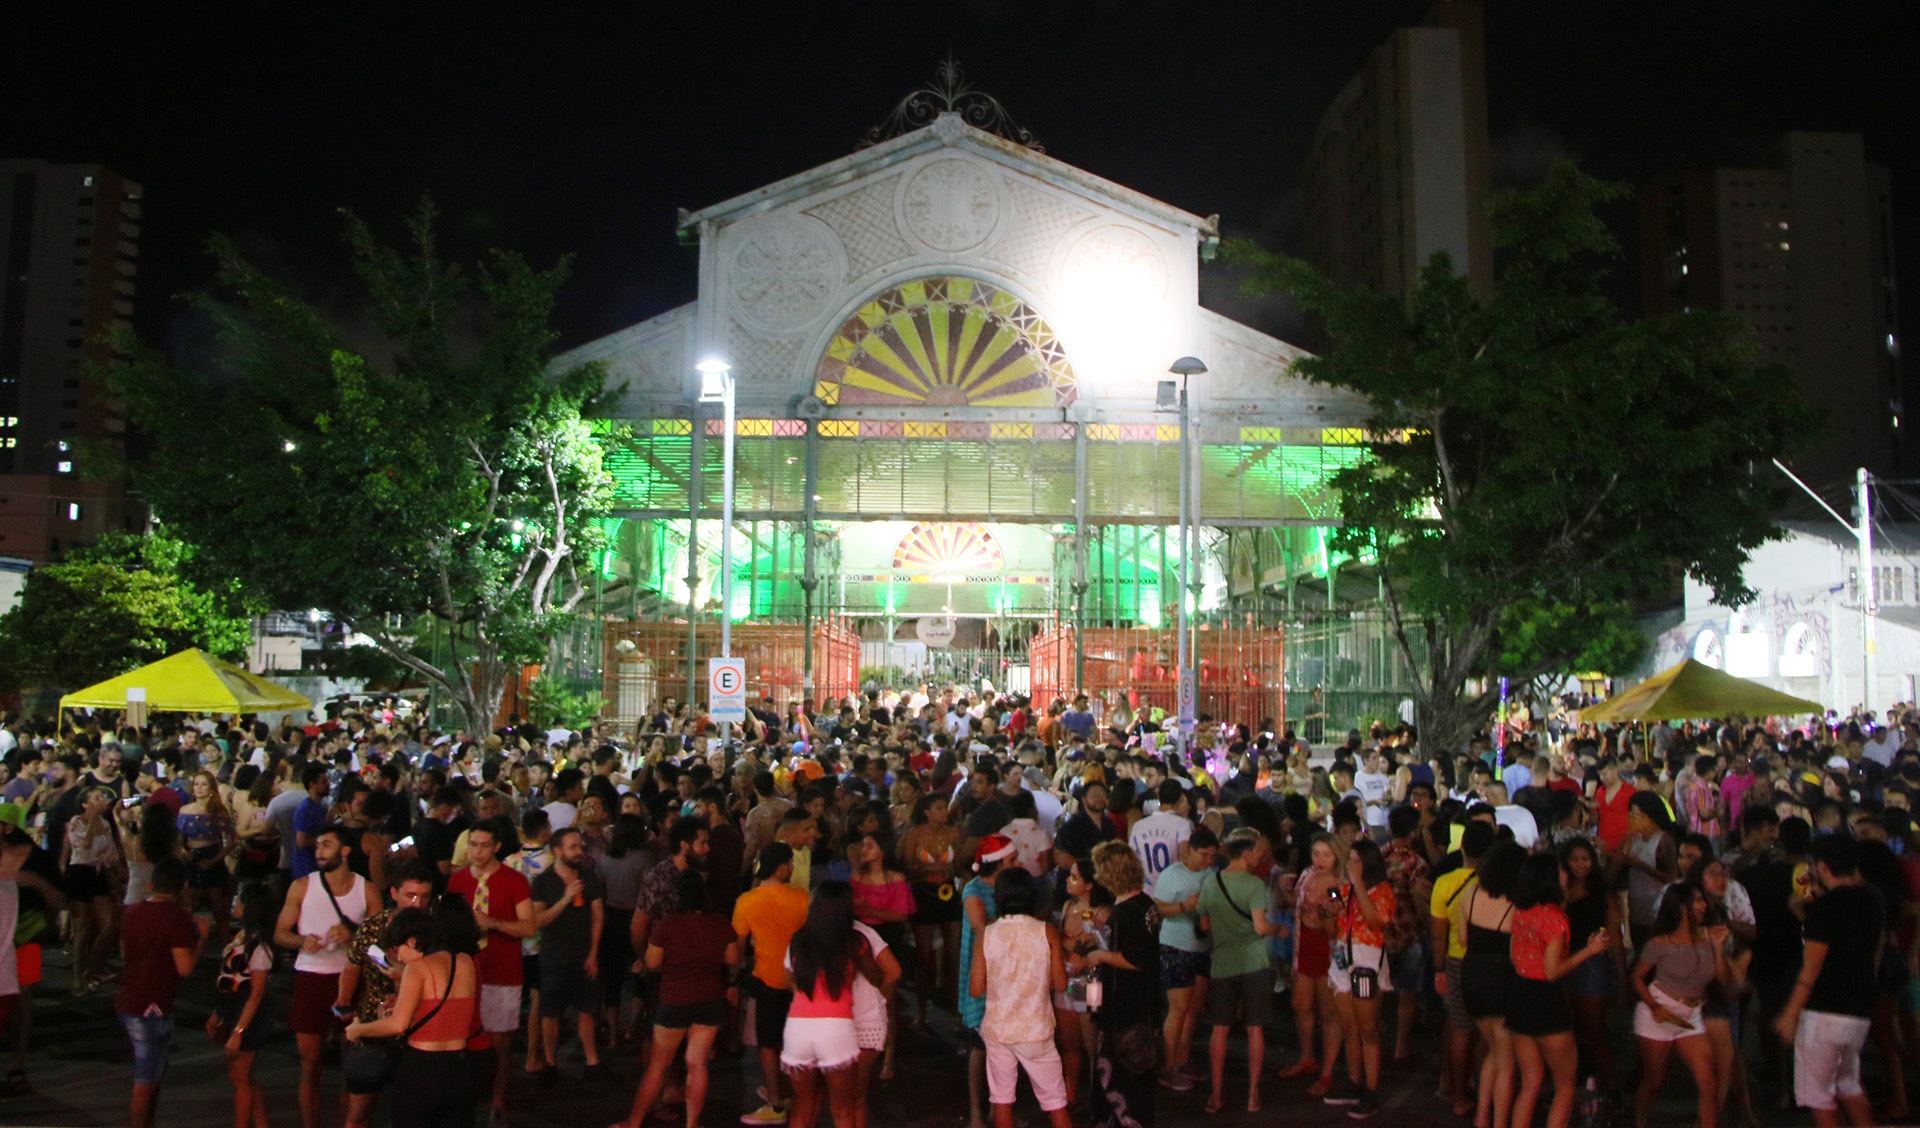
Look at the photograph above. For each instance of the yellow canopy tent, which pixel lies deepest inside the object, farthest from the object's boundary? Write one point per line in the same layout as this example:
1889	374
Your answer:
191	681
1693	691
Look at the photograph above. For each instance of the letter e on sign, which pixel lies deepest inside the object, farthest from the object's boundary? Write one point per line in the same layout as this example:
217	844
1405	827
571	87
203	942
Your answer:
727	690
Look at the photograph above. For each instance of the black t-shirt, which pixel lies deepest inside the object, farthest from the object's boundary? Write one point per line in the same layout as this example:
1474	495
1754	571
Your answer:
1134	996
1081	833
1776	945
988	818
568	937
433	840
1850	920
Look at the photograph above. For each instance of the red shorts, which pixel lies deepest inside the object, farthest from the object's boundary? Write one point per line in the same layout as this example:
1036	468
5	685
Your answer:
29	963
1313	953
311	1011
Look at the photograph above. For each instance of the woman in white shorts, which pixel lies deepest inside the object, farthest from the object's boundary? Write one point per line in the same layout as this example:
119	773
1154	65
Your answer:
820	1037
1681	959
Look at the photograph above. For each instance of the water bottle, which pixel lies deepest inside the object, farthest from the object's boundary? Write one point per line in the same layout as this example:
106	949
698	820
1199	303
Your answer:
1592	1114
1096	993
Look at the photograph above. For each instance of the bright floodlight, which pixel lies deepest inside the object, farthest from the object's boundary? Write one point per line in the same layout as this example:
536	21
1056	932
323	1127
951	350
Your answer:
713	379
1188	366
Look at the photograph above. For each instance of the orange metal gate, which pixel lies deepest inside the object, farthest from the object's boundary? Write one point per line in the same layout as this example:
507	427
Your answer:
1240	670
645	663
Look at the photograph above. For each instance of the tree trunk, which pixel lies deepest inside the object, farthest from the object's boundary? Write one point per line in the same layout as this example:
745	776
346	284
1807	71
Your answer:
1447	721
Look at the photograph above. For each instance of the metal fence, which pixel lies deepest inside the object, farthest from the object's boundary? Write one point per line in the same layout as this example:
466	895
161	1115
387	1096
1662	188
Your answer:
645	663
1240	669
1353	659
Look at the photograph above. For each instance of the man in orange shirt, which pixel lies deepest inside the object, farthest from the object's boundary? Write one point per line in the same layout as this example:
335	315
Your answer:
770	914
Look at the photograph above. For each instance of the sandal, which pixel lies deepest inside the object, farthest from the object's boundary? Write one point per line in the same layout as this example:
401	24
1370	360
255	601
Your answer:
1301	1068
1321	1087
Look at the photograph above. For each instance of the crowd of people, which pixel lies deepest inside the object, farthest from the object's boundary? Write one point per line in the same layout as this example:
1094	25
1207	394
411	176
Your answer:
1056	892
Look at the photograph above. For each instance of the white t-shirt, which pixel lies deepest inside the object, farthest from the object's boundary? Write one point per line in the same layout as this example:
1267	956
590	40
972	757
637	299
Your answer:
1880	749
869	1005
1157	840
1048	805
1373	790
561	815
1525	830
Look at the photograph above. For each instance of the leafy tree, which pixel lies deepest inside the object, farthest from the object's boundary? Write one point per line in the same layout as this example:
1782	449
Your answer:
113	607
1539	463
557	701
440	475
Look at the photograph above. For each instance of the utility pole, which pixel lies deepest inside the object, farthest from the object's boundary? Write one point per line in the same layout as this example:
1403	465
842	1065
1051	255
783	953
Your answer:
1869	596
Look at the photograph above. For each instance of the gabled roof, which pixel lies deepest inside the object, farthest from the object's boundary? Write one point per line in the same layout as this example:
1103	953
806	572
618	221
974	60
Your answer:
949	130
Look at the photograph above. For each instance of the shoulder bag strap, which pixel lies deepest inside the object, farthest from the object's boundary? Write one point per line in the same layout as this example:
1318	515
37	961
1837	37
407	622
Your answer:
1221	881
334	901
453	969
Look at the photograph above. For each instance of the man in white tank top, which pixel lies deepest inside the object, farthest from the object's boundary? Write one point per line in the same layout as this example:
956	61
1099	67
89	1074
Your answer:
318	920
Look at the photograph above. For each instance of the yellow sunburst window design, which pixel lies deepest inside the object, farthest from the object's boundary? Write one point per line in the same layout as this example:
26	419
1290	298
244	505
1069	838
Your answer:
949	548
946	342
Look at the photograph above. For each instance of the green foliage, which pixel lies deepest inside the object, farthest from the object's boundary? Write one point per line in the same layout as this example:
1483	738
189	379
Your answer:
441	471
1540	463
555	701
113	607
882	675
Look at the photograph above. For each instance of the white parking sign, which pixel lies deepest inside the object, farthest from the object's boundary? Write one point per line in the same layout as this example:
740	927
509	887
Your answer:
727	690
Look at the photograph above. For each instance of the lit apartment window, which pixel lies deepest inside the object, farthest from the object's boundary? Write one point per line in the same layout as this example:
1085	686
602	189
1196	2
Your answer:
63	446
73	511
63	467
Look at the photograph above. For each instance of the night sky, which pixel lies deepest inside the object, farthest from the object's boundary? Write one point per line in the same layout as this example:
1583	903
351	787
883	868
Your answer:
579	128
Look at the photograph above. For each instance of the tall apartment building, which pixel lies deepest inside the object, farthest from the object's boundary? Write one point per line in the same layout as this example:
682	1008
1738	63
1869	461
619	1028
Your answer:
1398	168
69	236
1803	251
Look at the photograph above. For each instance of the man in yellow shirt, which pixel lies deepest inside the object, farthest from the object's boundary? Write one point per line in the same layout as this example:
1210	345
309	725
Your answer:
769	915
1448	933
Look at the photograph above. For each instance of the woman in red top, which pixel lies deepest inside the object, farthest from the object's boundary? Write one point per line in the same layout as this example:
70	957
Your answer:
694	951
882	901
437	1011
1537	1015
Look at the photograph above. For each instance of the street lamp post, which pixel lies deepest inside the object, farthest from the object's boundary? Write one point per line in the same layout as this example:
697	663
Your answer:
716	386
1185	368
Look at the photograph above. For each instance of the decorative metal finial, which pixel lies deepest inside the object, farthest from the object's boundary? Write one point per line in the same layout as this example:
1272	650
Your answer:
950	93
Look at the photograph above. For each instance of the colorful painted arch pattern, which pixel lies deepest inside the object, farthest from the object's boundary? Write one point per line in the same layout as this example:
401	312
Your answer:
946	342
946	547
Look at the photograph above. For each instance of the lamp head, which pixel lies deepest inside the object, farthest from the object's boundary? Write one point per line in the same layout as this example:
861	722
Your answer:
1188	366
714	383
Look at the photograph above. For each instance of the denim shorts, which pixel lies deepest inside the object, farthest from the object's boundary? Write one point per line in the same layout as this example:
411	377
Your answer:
1592	979
152	1037
1409	969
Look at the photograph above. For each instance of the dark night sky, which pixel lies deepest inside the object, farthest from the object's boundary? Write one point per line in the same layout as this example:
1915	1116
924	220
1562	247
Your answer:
579	128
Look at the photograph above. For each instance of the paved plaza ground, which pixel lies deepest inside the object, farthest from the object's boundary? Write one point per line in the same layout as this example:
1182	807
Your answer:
80	1067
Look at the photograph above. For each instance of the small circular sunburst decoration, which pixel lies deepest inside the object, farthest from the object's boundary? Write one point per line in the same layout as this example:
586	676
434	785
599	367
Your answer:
946	342
947	548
